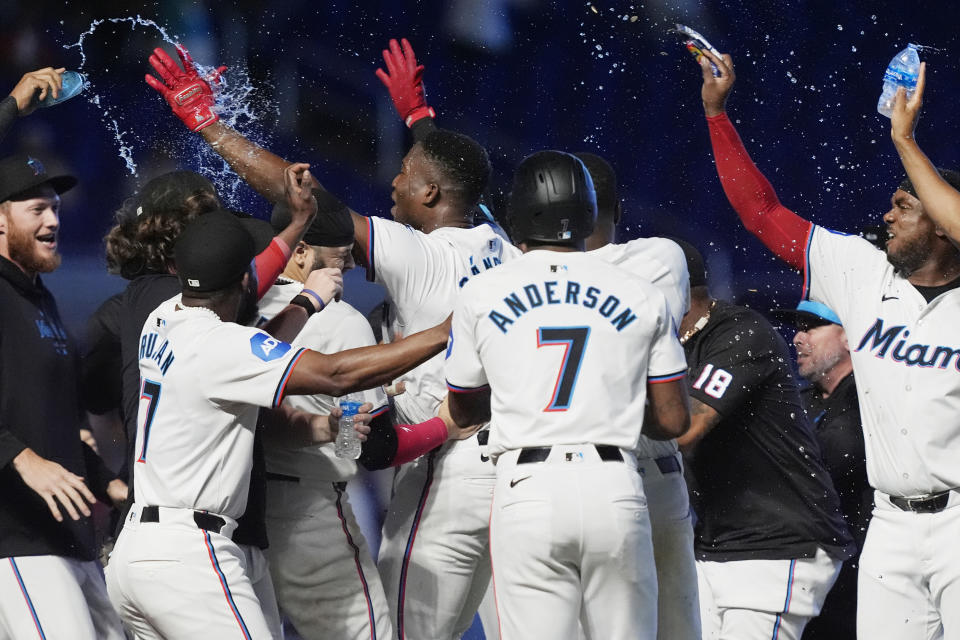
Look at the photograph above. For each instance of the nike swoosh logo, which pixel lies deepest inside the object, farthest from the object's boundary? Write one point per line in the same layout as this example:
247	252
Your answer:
884	298
514	483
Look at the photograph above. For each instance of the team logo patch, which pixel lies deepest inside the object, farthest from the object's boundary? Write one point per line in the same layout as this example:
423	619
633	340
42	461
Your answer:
267	348
36	166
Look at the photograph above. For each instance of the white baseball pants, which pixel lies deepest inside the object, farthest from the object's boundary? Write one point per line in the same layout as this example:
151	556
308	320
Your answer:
570	542
909	581
763	599
171	580
434	558
678	608
55	598
325	579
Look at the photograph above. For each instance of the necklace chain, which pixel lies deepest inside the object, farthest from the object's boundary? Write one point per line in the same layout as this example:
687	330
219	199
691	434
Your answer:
700	324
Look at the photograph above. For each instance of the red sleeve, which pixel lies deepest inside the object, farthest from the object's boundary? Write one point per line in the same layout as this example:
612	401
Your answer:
753	198
417	439
270	264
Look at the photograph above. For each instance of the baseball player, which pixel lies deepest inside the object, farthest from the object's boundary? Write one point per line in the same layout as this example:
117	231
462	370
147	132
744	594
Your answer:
770	538
531	344
140	248
660	261
51	585
326	580
434	576
175	572
830	401
898	308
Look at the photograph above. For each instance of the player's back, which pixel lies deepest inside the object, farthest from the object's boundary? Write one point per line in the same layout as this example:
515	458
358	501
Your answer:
423	274
658	260
566	341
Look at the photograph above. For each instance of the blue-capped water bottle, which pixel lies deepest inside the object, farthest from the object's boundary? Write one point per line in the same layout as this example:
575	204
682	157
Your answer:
348	443
72	84
902	71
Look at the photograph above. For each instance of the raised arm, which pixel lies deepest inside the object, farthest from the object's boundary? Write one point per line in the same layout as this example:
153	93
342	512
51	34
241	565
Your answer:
191	98
27	94
748	191
940	200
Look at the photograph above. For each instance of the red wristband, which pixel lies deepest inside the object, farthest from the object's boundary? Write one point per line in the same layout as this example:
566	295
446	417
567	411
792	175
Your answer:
270	264
414	440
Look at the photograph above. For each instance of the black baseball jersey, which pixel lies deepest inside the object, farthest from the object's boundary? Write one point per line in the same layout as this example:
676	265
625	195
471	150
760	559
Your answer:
101	360
761	490
837	426
40	409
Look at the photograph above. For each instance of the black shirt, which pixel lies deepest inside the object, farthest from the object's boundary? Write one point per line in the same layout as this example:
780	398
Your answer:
761	490
839	431
40	409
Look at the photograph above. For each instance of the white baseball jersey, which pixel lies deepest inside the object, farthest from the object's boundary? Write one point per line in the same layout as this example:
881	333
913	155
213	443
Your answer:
423	274
603	331
906	358
202	383
337	328
276	299
661	261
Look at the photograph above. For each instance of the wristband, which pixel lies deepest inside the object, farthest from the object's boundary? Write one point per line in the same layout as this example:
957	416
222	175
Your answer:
418	114
304	301
316	295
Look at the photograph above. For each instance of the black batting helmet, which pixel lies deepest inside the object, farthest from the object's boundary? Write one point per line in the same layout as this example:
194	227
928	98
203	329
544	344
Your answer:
552	199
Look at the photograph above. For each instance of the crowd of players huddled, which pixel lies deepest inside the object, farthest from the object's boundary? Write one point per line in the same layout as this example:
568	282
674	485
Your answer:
759	511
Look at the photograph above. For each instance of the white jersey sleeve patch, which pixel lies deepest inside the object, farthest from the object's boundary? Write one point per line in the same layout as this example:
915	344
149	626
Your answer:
244	365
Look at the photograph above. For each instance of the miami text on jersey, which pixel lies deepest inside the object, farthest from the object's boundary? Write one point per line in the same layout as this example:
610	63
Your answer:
537	294
910	354
149	351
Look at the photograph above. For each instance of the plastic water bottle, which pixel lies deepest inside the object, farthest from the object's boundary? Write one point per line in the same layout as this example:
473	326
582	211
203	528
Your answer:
74	83
902	71
348	443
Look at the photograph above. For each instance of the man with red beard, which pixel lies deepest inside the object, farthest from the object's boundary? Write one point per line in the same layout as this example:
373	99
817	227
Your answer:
50	582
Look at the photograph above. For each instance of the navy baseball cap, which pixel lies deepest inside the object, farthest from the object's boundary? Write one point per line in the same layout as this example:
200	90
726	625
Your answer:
20	172
331	227
214	251
696	267
807	315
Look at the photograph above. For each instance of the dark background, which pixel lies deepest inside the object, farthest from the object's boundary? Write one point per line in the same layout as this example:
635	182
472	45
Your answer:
518	75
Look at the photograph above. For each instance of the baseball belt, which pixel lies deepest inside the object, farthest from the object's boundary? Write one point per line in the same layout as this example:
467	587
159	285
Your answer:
607	453
206	521
933	503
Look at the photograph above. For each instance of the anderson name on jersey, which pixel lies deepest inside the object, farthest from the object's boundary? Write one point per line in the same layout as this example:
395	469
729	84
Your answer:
603	331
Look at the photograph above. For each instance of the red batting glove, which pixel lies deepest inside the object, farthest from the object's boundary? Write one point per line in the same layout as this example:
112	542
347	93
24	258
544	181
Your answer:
404	80
189	95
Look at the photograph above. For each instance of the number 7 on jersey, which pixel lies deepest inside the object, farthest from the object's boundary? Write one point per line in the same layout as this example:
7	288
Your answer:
574	341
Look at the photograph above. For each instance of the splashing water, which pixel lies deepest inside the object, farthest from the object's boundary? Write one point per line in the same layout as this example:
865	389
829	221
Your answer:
239	104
